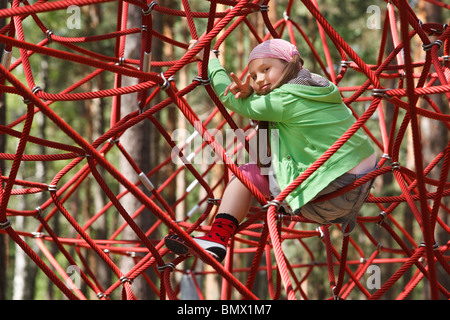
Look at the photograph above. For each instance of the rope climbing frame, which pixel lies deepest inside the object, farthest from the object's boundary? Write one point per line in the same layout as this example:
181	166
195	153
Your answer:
265	230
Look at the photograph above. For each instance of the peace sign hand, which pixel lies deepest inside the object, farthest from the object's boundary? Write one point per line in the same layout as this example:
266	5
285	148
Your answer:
238	88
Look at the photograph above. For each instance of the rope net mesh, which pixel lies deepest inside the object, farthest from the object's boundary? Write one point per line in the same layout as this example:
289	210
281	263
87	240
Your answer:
342	262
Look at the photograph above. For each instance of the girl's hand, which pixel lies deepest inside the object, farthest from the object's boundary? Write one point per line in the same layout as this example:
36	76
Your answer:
238	88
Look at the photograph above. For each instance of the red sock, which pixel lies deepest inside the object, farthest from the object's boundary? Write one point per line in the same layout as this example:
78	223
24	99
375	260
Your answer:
222	229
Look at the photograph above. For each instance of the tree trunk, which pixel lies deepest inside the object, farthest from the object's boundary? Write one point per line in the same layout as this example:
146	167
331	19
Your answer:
20	261
3	237
140	142
95	119
434	134
96	112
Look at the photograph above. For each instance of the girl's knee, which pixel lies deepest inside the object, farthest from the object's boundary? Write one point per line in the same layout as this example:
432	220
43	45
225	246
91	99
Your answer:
253	173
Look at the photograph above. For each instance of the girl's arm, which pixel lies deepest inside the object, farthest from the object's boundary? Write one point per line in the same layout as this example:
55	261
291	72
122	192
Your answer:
257	107
243	101
238	88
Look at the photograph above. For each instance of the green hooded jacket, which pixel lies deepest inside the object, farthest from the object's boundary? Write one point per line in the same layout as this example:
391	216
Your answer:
309	120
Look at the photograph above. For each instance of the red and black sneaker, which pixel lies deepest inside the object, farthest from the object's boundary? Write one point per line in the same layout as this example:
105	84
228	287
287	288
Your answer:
178	246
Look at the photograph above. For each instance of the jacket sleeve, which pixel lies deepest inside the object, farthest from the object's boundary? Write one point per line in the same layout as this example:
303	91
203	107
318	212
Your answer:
265	108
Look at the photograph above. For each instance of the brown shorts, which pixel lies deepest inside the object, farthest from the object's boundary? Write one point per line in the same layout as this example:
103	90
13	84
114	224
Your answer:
340	209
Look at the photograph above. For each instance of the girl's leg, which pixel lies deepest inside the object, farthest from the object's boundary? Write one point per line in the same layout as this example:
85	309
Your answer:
236	200
235	204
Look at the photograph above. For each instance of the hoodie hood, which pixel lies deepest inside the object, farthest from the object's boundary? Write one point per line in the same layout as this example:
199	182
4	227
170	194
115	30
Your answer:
313	87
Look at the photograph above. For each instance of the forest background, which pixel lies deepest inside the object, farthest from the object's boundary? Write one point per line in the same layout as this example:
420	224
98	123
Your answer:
352	19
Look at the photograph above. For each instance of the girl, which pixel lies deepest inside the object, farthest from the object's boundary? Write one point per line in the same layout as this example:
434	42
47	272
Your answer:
306	115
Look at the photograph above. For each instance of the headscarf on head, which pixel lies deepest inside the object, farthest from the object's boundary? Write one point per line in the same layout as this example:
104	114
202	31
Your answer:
275	48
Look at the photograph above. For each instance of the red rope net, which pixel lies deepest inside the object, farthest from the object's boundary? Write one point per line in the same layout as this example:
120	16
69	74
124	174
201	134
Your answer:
265	230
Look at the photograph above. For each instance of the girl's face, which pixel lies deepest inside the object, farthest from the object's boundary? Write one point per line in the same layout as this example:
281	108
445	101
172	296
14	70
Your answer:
265	72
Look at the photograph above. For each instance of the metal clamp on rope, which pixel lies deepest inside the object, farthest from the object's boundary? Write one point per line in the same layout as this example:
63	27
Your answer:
446	58
164	267
26	101
284	217
274	203
319	229
113	141
124	279
264	8
121	61
6	59
286	16
427	47
336	297
38	235
435	31
5	225
101	295
213	201
146	64
379	247
36	89
166	83
39	212
383	215
52	187
395	165
345	64
49	34
149	9
203	82
435	245
132	254
146	182
381	93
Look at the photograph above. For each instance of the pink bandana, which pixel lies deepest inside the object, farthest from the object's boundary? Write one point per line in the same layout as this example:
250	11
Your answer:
274	48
